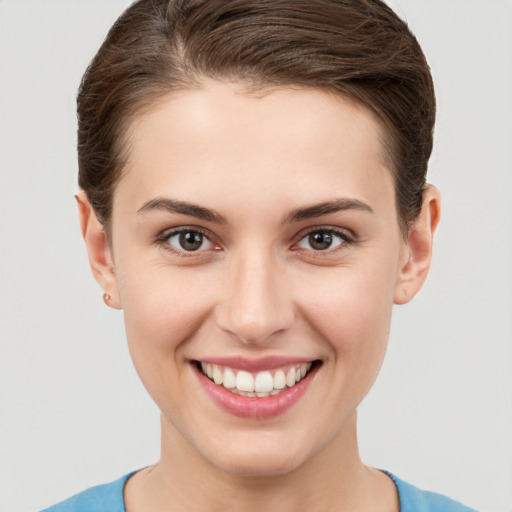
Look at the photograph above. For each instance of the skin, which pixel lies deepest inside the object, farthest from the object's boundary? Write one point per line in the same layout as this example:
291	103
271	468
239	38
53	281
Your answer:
257	287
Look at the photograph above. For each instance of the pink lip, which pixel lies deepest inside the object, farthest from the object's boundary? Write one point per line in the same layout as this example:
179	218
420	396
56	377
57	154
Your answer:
255	365
254	407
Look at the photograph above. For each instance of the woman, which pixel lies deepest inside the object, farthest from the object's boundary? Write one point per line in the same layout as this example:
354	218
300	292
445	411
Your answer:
254	200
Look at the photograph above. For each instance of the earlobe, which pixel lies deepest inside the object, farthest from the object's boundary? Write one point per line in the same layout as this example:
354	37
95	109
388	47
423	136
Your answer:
98	251
417	254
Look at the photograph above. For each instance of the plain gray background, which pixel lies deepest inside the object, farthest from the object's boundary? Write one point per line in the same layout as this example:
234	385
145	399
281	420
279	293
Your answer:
73	412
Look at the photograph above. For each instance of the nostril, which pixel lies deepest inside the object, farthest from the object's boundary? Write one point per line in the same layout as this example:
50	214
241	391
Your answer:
254	323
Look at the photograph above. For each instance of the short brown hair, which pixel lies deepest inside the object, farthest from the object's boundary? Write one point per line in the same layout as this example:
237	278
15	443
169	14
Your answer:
358	48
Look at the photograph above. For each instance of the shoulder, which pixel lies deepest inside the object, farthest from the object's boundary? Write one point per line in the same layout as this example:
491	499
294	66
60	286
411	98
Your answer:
413	499
101	498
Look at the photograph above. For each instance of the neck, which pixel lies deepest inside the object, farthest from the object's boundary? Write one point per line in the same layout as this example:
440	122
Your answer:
332	479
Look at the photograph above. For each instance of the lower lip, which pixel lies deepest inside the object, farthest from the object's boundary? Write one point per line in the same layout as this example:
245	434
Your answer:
255	407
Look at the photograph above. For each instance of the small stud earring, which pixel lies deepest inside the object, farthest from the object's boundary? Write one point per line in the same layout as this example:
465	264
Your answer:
106	298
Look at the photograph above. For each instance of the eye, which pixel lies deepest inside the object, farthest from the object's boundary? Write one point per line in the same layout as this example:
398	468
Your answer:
322	240
188	240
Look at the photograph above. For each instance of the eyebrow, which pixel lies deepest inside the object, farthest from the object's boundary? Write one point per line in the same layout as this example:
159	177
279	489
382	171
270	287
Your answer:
207	214
327	207
183	208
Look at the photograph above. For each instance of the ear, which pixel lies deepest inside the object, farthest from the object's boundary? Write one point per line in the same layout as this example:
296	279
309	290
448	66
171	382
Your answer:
98	251
417	251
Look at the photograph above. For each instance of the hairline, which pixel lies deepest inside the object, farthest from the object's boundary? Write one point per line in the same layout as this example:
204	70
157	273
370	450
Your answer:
259	89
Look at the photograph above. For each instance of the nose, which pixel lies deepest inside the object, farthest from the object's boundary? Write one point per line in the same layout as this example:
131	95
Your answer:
256	304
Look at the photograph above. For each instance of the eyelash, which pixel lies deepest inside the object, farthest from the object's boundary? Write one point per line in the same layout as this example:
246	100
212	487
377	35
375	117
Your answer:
163	240
344	237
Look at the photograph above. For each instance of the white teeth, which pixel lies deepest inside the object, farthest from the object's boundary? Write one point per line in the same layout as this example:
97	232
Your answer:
279	380
263	382
229	379
261	385
290	377
217	375
244	381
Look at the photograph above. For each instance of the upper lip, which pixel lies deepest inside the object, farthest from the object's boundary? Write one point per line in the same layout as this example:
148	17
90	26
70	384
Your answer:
255	365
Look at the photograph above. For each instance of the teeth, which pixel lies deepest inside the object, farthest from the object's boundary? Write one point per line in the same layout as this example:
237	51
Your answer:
290	378
229	379
262	384
279	380
244	381
218	376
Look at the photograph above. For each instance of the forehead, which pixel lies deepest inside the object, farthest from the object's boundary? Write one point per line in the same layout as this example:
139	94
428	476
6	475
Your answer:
221	141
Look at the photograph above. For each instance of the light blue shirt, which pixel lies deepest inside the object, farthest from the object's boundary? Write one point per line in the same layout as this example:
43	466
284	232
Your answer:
109	498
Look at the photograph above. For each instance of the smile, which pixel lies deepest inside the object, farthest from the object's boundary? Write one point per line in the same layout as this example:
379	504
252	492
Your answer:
261	384
256	389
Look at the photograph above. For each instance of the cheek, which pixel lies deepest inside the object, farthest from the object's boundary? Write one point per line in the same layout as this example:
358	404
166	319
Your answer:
351	310
162	309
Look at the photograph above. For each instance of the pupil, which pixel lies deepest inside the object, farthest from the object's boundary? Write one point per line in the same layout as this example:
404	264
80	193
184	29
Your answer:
191	240
320	241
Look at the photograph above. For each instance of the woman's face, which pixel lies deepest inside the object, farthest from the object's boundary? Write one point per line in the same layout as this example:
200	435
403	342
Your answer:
255	237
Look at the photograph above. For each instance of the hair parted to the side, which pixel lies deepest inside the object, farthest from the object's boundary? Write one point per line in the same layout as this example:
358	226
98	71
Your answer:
358	48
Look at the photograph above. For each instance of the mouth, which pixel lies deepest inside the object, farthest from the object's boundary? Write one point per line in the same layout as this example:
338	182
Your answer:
262	384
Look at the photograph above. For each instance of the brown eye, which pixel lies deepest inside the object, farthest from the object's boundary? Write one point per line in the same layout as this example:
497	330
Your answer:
322	240
189	240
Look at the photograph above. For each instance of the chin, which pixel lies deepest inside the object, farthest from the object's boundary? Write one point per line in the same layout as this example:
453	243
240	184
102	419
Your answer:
260	465
259	457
